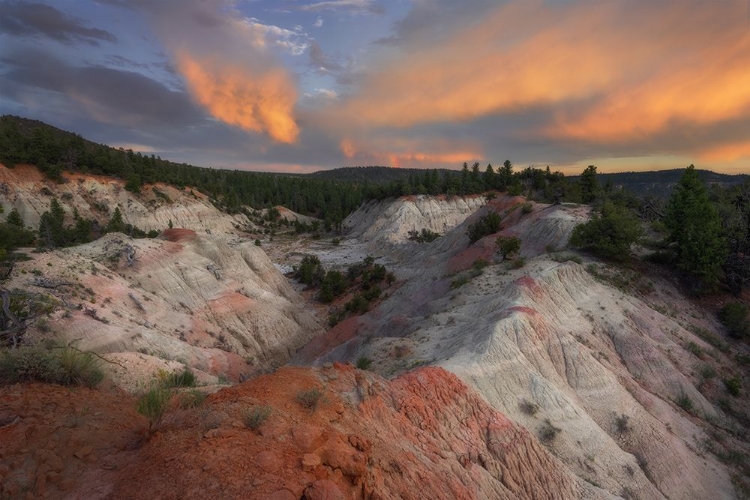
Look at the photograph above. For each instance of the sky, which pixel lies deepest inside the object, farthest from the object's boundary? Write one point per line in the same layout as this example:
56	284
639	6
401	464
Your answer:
305	85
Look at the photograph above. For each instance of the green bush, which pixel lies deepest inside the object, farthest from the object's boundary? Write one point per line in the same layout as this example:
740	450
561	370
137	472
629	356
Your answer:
192	399
153	405
734	316
486	225
733	385
610	233
65	366
310	271
358	304
185	378
310	398
548	432
508	245
255	417
364	363
685	402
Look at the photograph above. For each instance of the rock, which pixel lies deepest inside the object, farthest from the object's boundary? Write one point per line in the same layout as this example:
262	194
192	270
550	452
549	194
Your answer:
310	461
82	453
268	461
323	490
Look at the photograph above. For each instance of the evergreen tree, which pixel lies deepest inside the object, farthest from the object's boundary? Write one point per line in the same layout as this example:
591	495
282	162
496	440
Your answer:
695	228
14	218
590	188
116	224
489	177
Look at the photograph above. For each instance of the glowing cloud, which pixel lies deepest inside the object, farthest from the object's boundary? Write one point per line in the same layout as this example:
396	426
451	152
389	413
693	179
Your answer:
261	102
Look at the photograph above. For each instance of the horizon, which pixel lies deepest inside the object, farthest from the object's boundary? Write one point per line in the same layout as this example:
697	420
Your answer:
304	85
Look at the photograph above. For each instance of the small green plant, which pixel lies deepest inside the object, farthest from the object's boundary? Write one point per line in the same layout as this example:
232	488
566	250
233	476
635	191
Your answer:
734	316
695	349
192	399
57	365
486	225
733	385
364	363
257	242
518	263
185	378
707	372
255	417
79	368
527	208
153	405
685	402
528	407
310	398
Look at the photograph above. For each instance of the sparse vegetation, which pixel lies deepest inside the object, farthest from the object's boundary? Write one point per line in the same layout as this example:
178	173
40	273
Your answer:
153	405
192	399
486	225
733	385
310	398
685	402
508	245
734	316
53	365
622	424
364	363
256	416
423	236
610	233
185	378
528	407
548	432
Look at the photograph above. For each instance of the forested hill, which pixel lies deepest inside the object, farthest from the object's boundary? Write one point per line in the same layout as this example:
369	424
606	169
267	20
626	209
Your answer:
374	174
660	183
53	151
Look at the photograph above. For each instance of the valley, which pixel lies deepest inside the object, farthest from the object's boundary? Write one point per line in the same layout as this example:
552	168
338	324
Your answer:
552	374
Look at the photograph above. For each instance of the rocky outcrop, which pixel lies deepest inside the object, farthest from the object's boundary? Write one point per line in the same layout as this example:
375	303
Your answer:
95	197
222	309
391	220
593	369
422	435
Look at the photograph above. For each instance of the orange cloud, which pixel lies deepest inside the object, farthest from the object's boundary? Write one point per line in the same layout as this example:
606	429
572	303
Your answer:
407	154
603	73
261	102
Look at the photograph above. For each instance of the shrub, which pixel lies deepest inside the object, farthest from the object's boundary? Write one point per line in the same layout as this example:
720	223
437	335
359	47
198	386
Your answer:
192	399
733	386
425	236
310	398
527	208
257	242
358	304
695	349
486	225
518	263
622	423
185	378
685	402
65	366
371	293
610	233
364	363
734	316
548	432
310	271
255	417
334	284
508	246
153	405
528	408
79	368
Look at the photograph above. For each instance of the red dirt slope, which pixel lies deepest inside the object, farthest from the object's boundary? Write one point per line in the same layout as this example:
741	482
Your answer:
422	435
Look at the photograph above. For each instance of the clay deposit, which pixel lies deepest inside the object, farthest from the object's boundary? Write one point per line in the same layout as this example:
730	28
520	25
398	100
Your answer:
95	197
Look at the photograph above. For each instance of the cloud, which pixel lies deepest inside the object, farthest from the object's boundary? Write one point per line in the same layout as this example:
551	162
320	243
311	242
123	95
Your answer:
105	94
360	6
592	77
261	103
30	19
318	22
228	63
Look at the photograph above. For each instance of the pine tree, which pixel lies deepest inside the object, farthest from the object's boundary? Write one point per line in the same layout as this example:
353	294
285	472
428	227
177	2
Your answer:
695	227
590	188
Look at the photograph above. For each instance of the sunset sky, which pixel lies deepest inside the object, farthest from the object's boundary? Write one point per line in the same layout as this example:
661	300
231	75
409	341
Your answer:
304	85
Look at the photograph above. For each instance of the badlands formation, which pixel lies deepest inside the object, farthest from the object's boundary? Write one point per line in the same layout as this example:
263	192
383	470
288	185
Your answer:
557	377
